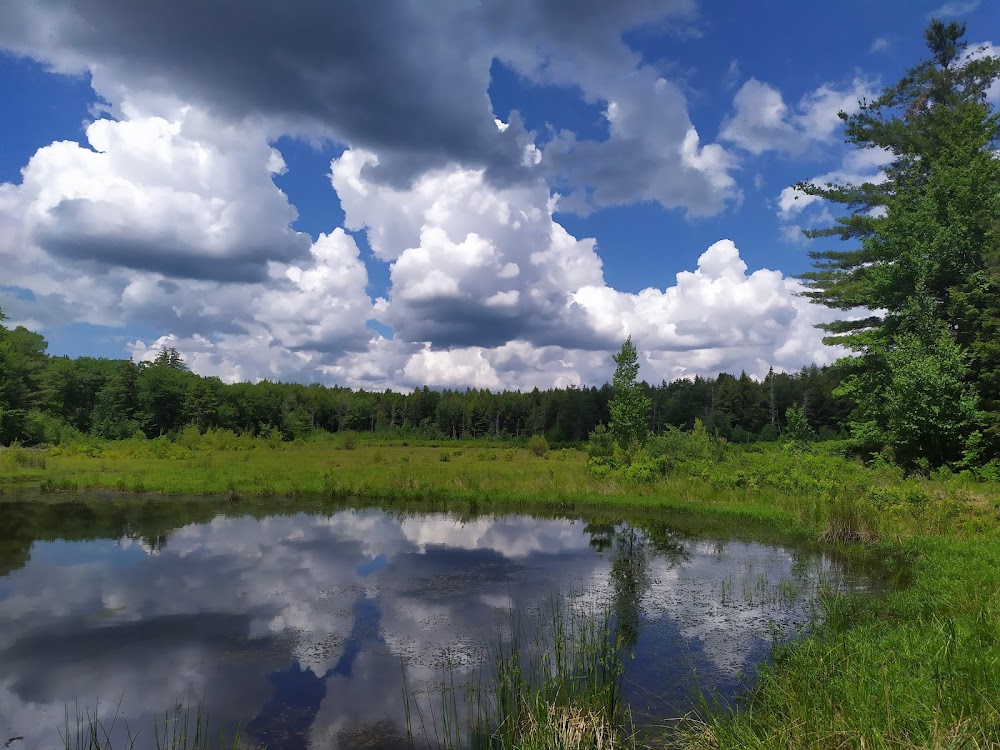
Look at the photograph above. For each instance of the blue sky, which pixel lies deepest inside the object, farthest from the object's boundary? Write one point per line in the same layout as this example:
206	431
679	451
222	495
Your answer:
390	194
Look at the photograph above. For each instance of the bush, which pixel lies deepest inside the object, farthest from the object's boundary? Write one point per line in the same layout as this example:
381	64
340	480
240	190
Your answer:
538	445
38	428
601	444
796	426
189	437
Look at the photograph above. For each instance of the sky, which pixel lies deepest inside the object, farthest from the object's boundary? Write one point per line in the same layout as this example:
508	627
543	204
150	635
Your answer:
454	193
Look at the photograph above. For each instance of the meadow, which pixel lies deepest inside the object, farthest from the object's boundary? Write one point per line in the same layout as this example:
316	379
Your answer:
918	666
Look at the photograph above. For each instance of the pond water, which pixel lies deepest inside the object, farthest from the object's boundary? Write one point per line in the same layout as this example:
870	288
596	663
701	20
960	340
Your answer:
300	626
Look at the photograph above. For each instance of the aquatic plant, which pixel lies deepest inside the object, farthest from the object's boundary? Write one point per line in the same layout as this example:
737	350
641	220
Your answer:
185	727
549	684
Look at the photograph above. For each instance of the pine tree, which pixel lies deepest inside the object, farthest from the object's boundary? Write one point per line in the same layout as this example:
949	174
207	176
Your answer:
927	260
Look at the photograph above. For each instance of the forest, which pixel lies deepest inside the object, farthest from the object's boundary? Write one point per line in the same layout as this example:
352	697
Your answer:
48	400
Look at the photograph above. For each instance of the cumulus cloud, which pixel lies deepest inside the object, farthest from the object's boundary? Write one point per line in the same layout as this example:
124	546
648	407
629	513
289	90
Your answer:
168	217
423	100
188	197
715	318
422	92
653	153
487	289
762	121
484	279
470	263
173	221
282	329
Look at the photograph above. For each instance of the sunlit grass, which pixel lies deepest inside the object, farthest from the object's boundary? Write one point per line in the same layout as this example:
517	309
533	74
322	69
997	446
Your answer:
918	667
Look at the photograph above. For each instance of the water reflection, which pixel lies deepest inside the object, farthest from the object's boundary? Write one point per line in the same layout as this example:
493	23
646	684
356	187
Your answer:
297	625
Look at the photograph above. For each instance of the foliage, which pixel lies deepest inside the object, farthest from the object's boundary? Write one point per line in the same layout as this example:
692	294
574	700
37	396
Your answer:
601	444
924	283
796	426
538	445
52	400
629	406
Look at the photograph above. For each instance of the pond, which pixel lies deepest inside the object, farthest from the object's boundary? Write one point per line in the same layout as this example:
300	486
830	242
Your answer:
301	626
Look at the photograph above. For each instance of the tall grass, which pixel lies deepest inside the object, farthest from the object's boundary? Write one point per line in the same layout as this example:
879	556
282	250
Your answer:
553	684
916	668
183	728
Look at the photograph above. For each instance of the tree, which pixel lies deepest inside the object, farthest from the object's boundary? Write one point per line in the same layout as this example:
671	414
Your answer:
629	406
115	405
170	358
923	284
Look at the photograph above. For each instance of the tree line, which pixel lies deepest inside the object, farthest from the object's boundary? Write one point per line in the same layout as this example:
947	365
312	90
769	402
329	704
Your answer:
48	399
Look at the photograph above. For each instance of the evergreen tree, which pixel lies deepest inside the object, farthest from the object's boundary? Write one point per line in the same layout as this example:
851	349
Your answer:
927	261
629	406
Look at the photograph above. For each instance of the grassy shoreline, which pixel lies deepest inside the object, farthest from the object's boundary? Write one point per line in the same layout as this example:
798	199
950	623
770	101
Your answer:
918	667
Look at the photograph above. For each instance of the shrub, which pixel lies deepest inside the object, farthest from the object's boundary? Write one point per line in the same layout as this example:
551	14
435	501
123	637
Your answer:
43	429
601	443
189	437
538	445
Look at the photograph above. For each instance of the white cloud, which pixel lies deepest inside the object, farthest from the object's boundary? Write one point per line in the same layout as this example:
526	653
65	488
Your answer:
653	152
880	44
177	224
987	49
796	208
174	222
955	8
762	121
423	102
487	290
717	317
470	263
189	197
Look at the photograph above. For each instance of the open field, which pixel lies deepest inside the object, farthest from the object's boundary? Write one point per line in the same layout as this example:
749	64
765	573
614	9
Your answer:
918	667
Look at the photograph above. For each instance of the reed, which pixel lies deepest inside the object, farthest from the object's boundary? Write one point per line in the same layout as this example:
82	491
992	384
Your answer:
185	727
548	684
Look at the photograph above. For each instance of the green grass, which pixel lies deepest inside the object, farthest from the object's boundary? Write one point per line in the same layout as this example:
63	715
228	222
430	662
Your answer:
548	685
918	667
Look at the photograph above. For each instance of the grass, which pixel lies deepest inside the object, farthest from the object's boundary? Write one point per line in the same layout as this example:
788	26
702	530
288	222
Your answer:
554	685
183	728
917	667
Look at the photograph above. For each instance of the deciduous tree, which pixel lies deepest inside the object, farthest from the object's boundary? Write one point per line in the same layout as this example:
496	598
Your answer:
629	406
